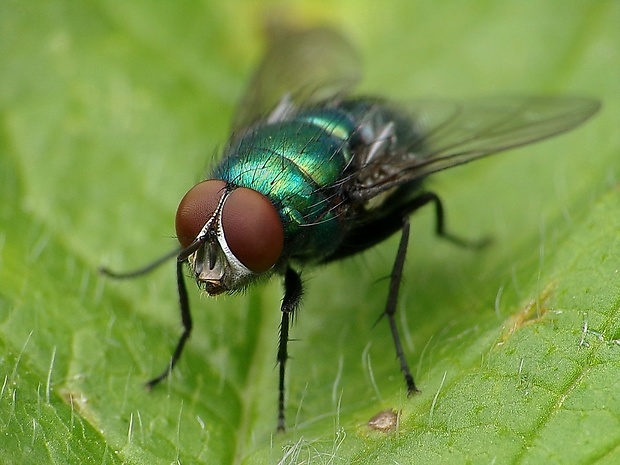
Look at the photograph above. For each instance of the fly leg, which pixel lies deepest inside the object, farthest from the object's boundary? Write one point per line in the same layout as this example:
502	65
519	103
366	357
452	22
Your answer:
390	307
140	271
367	235
186	319
397	270
293	290
440	225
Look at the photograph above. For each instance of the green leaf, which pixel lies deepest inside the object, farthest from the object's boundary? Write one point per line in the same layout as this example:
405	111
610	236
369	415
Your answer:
110	112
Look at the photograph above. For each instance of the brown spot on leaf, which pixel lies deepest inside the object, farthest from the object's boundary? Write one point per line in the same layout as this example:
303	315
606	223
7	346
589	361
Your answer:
384	421
533	312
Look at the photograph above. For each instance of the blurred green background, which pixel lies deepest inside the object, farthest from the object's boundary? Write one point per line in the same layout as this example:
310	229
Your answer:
112	110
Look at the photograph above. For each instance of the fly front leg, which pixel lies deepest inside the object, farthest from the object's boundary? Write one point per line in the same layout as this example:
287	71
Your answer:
293	290
186	319
390	307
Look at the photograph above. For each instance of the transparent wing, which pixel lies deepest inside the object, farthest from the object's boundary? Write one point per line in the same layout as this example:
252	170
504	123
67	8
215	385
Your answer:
445	134
306	66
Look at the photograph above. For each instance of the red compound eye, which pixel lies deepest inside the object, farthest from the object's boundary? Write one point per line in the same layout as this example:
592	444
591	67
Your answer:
253	229
196	208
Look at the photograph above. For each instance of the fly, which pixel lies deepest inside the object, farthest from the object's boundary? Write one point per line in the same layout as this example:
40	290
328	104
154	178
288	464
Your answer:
312	175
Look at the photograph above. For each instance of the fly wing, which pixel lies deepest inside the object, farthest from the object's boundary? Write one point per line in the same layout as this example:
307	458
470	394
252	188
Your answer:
448	134
303	66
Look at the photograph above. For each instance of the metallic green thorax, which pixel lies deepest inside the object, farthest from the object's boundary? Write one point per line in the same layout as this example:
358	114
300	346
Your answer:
296	163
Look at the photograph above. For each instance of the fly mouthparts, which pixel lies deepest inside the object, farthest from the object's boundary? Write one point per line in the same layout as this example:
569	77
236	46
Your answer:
212	254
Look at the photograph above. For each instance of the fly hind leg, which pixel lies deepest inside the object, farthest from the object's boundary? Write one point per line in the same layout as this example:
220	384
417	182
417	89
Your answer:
440	222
